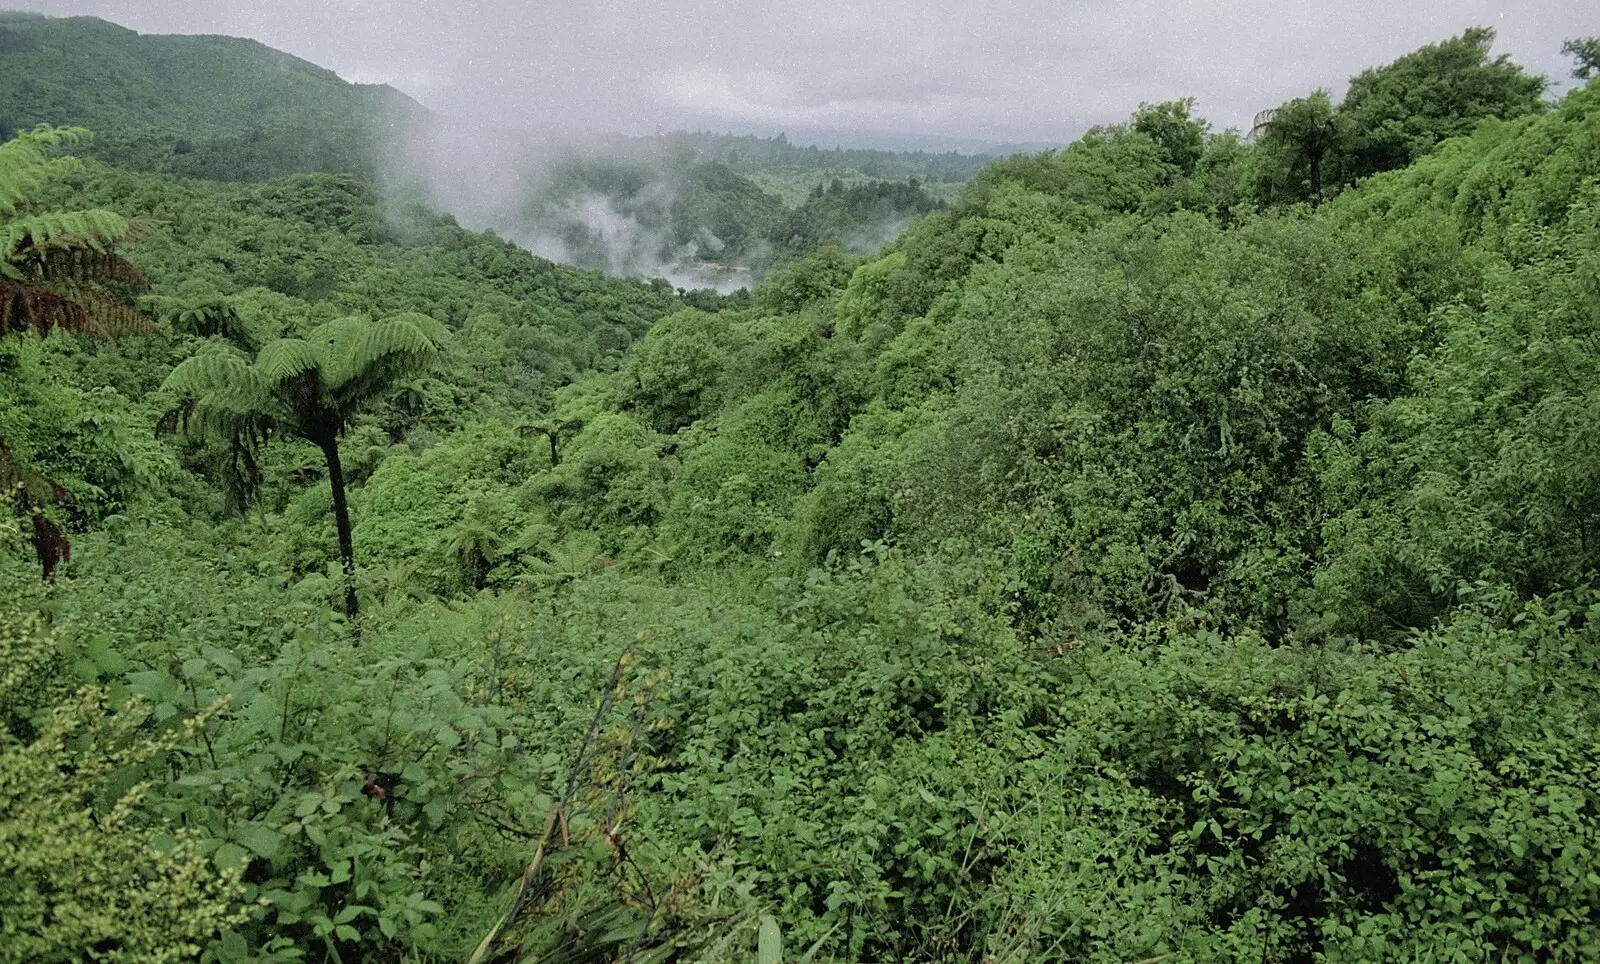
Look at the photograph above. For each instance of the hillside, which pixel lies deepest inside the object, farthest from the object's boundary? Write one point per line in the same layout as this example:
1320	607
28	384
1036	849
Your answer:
95	74
199	106
1178	548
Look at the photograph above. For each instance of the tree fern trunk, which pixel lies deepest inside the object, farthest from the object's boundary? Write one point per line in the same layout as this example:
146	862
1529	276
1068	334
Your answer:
341	521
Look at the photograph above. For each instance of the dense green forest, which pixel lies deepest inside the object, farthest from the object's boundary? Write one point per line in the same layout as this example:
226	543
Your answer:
1176	549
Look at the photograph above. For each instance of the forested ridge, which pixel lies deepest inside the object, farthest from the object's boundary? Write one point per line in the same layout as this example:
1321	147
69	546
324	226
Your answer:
1179	547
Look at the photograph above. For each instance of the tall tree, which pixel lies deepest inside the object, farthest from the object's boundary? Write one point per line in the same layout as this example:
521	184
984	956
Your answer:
1300	137
309	388
1401	111
1180	136
1585	51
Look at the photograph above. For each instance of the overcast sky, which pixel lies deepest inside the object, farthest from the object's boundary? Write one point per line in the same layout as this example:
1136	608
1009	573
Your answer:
1012	70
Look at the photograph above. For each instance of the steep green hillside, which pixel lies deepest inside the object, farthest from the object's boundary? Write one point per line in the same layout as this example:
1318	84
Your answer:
218	107
95	74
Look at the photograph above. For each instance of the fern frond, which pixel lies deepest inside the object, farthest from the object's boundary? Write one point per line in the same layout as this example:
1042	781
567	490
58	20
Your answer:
286	359
108	316
330	337
24	307
83	266
56	138
394	336
94	229
27	162
213	372
360	357
86	311
222	398
430	326
208	317
24	166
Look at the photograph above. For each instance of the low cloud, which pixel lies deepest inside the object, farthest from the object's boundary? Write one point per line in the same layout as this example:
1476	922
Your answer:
1009	70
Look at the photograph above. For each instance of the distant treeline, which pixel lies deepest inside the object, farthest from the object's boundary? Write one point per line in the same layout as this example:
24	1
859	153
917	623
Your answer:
747	153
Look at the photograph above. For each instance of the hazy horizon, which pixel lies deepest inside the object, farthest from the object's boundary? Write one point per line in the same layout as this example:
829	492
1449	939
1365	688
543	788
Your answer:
936	76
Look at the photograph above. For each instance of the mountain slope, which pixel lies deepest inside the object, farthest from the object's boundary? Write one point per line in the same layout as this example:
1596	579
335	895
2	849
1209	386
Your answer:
86	71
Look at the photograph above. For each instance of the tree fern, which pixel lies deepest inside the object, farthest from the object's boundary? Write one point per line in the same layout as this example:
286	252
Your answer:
311	388
28	160
207	314
59	268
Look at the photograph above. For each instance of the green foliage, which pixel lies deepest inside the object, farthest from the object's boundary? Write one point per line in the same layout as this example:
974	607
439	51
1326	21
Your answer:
58	267
1401	111
1181	138
1236	797
84	871
1586	52
310	389
679	369
861	216
1304	135
1126	563
1482	473
637	214
750	154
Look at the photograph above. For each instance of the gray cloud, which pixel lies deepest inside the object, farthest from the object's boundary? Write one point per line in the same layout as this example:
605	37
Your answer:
1031	70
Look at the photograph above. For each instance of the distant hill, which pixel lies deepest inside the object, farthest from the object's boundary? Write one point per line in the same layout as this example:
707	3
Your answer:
197	105
86	71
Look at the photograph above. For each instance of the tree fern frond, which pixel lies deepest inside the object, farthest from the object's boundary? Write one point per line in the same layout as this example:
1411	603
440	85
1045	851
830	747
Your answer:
286	359
82	266
394	336
108	315
428	325
53	265
226	416
25	306
215	371
222	397
361	356
209	316
27	162
24	166
56	138
239	431
139	229
337	331
94	229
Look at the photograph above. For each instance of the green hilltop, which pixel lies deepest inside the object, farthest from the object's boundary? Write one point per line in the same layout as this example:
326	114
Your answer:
96	74
201	106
